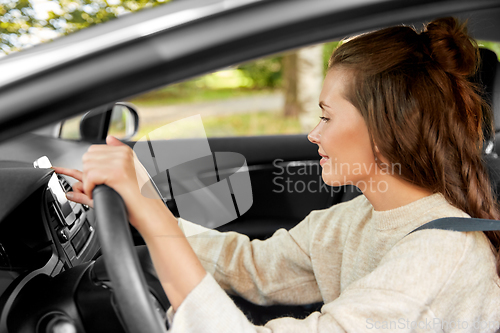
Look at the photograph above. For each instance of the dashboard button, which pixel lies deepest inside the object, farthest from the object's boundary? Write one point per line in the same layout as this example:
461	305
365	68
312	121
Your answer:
62	235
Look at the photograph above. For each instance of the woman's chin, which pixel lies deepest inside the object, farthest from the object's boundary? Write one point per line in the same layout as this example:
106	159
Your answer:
335	180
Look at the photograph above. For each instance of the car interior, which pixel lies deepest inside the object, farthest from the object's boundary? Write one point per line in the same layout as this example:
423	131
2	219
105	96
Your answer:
27	251
49	248
488	80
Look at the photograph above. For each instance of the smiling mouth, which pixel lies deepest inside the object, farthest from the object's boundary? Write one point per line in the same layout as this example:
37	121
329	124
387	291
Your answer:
324	158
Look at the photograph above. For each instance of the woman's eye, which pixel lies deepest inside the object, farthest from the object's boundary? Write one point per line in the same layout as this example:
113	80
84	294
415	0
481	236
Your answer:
324	119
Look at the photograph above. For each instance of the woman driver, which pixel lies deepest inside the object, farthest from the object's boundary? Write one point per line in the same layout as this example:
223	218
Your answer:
399	116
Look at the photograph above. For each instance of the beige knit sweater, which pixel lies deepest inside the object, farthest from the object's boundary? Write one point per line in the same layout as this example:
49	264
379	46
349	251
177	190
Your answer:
359	263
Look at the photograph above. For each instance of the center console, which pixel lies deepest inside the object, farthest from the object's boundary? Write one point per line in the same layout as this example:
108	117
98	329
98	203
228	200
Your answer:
73	225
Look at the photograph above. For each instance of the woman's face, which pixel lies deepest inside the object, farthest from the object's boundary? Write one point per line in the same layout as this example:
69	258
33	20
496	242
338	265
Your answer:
342	136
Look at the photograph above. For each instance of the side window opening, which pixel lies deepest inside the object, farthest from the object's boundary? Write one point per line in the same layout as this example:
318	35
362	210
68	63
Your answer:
275	95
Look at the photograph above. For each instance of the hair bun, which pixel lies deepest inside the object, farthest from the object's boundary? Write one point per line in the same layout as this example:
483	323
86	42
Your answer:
451	46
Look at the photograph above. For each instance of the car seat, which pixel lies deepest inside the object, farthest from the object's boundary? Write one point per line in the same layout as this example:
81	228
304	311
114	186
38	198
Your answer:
488	78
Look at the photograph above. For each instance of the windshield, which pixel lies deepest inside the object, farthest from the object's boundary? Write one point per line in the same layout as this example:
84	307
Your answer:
27	23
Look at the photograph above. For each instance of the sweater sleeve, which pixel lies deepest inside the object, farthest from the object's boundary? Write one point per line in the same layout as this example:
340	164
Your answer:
277	270
397	296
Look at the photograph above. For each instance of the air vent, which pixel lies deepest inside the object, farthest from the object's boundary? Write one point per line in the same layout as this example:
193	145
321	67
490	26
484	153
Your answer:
66	186
54	217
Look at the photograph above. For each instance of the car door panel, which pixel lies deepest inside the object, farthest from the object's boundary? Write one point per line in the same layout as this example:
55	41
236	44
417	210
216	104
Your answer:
285	179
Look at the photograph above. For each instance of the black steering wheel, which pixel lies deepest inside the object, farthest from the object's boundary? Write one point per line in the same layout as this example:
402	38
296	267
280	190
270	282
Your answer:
122	264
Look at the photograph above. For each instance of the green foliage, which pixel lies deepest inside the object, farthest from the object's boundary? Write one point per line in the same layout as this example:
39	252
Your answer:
81	14
19	19
493	46
260	76
265	73
328	49
188	92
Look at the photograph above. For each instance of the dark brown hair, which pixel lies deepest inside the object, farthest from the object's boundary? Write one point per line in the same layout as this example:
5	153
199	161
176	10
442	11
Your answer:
425	115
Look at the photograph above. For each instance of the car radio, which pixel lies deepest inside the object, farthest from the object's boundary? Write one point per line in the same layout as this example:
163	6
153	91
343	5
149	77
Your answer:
73	224
58	192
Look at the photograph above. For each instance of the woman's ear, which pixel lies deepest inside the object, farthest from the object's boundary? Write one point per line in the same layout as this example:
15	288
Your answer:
378	156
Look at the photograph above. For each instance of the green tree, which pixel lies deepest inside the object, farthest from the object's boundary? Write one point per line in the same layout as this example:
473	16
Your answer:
265	72
21	24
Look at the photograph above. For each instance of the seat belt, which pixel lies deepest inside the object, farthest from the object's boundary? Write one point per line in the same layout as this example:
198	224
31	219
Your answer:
461	224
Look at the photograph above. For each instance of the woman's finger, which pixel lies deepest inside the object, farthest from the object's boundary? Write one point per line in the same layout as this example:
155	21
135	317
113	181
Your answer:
97	176
77	174
77	187
112	141
113	167
80	198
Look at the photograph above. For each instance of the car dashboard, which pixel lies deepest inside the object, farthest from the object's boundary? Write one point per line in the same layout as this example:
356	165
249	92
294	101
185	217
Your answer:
41	237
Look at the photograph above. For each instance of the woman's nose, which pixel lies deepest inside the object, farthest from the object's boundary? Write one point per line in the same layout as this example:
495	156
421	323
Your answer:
314	135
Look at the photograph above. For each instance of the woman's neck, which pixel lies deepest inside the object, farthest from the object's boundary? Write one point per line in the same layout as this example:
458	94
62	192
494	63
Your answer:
391	192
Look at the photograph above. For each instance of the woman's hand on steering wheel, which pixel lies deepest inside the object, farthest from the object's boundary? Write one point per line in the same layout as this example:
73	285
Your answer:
116	165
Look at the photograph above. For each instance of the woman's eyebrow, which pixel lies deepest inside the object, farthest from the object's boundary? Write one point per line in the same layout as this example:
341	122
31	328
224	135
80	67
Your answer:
322	105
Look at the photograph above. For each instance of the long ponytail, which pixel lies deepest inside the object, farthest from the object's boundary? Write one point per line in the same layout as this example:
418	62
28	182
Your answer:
422	110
